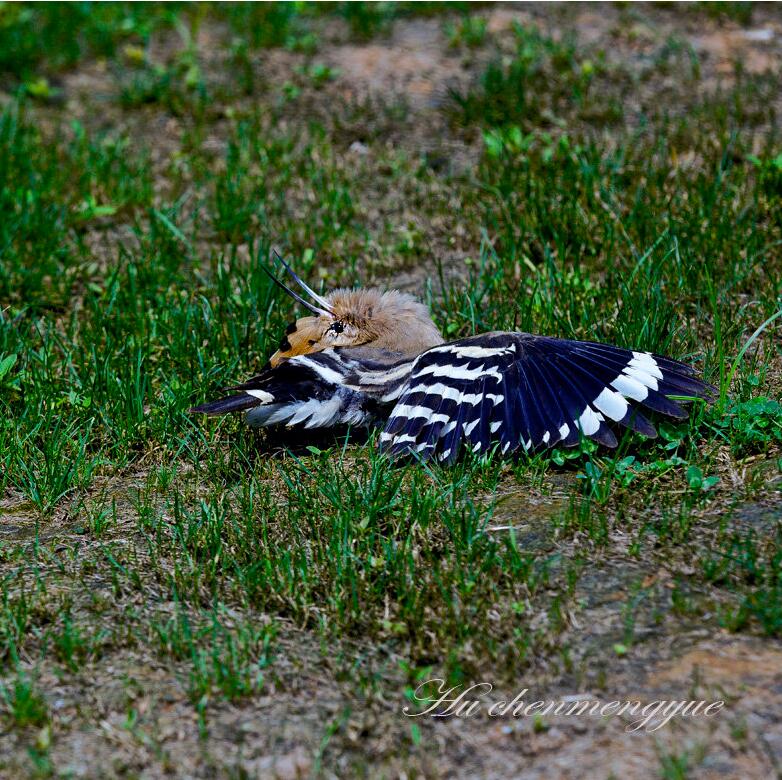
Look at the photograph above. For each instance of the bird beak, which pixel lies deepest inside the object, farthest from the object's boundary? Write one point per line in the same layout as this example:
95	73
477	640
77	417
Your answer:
325	311
319	299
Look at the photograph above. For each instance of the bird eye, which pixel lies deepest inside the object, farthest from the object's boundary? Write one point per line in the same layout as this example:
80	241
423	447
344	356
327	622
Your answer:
336	327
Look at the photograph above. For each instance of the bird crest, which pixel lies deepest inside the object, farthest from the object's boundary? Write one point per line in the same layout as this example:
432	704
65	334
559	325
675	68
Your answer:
386	320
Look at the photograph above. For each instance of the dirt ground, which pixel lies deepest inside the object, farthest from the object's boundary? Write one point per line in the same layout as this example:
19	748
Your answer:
333	708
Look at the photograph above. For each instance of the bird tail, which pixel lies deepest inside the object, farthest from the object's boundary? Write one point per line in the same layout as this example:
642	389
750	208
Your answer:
233	403
306	390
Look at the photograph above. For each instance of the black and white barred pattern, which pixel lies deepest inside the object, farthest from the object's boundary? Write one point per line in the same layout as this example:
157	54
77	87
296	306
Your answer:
328	388
520	391
510	390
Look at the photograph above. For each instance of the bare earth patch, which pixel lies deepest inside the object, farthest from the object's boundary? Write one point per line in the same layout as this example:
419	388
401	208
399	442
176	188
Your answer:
334	707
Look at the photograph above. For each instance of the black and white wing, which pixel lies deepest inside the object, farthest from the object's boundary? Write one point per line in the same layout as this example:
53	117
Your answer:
306	390
522	391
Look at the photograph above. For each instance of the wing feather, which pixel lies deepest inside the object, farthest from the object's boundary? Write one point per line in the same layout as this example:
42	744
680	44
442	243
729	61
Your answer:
531	391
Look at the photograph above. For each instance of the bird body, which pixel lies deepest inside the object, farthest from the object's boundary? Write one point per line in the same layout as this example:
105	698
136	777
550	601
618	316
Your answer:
370	358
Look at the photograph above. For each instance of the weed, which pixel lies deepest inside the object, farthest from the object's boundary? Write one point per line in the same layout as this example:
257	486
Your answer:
470	31
560	190
22	703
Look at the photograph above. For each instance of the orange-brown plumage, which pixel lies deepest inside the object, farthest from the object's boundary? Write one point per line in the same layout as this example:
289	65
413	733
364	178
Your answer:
390	320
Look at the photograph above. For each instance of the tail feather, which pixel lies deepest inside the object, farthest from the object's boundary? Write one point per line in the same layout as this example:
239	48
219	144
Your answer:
234	403
306	390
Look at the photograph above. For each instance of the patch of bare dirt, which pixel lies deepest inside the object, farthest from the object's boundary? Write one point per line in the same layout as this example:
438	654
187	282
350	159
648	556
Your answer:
18	518
129	715
743	739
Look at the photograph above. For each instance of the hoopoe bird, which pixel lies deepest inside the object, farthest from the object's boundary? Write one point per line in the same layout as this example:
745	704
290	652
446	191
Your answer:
369	357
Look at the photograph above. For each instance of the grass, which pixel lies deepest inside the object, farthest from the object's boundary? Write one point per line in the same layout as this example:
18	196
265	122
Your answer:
130	288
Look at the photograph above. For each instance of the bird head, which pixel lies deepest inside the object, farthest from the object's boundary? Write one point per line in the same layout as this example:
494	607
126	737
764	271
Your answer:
386	320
